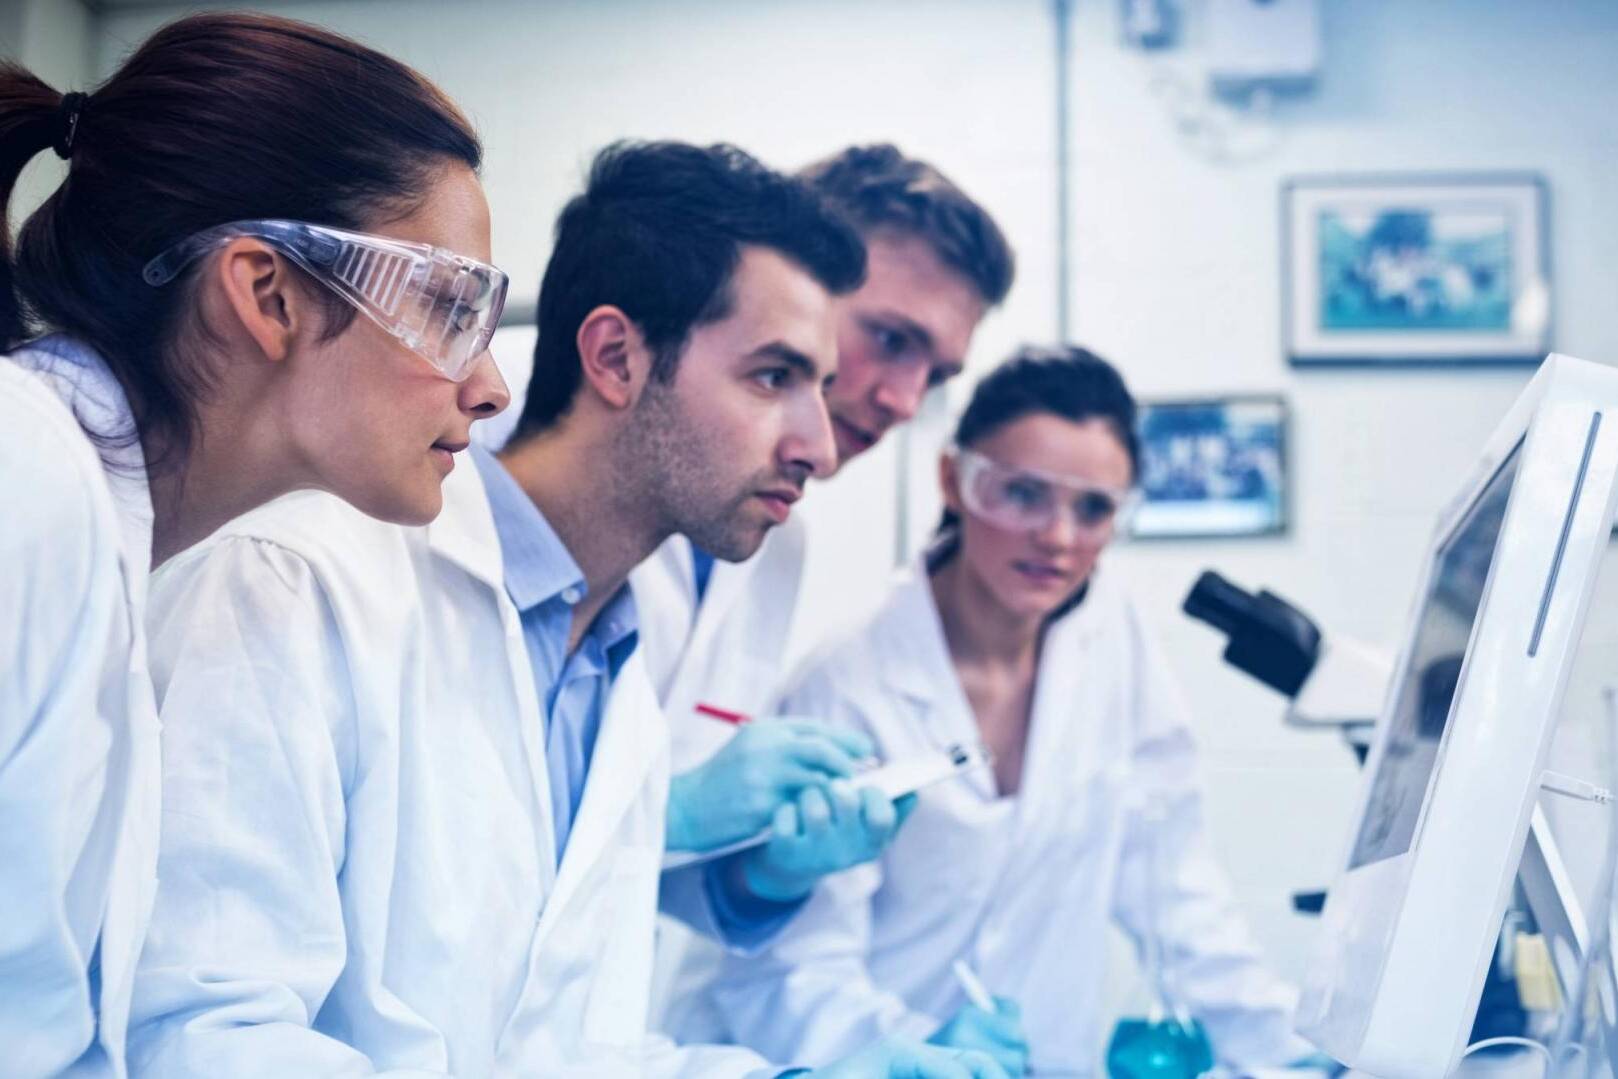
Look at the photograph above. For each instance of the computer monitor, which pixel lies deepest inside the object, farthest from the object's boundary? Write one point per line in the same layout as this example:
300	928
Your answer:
1410	925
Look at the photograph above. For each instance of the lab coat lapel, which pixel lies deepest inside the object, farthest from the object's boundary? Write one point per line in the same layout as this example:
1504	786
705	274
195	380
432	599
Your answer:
727	584
922	673
633	736
665	601
464	534
1069	709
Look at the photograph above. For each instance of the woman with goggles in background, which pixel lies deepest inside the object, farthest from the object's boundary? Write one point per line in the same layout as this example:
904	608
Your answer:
180	318
1009	633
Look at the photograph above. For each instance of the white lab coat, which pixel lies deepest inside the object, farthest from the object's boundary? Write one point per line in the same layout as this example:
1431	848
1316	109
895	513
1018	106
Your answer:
729	652
358	856
1022	888
78	729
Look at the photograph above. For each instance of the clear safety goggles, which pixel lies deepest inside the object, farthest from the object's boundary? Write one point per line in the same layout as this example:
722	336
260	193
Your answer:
443	306
1025	500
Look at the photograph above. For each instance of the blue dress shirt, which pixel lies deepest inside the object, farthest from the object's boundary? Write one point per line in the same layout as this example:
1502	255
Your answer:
546	585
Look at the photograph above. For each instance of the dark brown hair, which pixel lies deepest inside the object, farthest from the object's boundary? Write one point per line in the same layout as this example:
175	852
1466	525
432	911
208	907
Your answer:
658	231
218	117
880	189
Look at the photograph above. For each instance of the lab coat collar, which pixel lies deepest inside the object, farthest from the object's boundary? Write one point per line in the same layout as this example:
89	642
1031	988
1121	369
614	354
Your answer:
464	532
916	634
729	582
81	377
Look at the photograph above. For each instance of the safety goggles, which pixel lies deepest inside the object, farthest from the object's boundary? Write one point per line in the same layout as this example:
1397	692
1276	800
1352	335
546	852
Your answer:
1024	500
441	305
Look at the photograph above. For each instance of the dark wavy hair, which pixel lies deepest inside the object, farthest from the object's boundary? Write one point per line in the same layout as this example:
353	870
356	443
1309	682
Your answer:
658	232
880	189
216	118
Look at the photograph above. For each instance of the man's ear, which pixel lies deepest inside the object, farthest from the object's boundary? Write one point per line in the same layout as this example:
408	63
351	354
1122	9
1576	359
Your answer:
613	357
258	287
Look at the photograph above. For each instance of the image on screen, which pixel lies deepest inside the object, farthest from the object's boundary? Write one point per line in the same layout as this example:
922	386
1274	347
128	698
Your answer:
1422	707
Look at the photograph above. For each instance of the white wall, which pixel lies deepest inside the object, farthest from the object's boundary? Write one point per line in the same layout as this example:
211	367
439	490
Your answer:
1175	278
1175	272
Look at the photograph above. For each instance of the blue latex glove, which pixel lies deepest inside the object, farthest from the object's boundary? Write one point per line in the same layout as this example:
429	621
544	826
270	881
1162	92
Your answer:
891	1058
998	1033
737	792
826	830
1317	1062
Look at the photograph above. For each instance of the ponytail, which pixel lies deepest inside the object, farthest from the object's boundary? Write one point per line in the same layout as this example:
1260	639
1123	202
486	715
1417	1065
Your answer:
31	120
218	117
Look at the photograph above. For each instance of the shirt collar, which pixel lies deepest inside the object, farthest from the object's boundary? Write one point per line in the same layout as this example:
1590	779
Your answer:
538	566
617	627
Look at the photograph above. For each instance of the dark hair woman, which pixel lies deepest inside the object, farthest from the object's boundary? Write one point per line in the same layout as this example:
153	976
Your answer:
1007	634
180	318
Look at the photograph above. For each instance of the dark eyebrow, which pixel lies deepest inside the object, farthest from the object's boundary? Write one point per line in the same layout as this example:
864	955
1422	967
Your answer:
948	369
782	352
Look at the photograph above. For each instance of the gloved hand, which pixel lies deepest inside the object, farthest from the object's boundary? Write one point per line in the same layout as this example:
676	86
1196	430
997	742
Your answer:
998	1033
736	793
1318	1063
825	830
892	1058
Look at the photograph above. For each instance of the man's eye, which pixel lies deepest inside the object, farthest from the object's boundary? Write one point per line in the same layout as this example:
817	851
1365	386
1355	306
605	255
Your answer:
773	378
889	342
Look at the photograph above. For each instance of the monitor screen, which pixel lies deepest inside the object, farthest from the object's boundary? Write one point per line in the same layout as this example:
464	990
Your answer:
1422	707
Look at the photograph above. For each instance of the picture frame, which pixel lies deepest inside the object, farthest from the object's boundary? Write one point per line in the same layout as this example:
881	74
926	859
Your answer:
1416	269
1213	468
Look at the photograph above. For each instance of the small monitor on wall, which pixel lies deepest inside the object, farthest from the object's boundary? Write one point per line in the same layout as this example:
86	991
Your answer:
1215	467
1410	924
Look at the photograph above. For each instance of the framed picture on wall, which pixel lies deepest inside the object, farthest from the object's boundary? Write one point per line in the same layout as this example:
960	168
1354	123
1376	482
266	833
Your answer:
1425	269
1212	467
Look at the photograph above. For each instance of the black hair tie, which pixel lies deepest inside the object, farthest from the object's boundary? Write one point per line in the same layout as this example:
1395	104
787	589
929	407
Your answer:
68	113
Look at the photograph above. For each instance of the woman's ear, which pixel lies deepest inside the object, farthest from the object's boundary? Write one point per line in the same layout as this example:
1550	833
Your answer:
258	287
613	359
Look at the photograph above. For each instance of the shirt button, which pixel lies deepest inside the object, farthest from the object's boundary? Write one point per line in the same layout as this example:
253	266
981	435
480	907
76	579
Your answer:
571	595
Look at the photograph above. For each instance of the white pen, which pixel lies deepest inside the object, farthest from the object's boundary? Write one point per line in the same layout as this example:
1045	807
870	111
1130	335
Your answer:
975	992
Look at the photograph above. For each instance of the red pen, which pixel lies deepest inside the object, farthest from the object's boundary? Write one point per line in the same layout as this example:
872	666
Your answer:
723	714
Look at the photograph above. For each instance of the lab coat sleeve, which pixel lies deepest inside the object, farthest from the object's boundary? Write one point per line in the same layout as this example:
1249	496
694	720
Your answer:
808	998
247	934
691	894
1169	882
61	609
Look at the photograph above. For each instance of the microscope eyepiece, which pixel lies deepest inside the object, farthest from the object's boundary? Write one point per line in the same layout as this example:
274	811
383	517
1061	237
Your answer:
1269	638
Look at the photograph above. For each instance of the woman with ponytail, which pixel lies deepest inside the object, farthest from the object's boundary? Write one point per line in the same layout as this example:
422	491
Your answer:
1012	632
181	323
